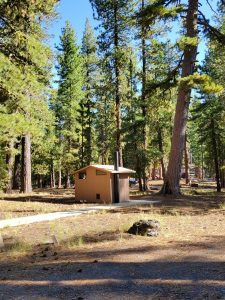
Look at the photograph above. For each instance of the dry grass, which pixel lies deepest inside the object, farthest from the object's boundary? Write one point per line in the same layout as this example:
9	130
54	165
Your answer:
39	202
94	248
180	221
195	211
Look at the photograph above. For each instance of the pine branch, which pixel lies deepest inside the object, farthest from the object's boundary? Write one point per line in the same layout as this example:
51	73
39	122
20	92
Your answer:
212	31
159	9
166	83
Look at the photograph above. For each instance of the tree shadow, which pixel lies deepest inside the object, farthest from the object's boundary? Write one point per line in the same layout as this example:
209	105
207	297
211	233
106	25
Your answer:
181	205
118	273
53	196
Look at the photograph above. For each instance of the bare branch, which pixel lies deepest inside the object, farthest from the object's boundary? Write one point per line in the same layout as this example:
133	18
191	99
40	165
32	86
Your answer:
214	32
209	4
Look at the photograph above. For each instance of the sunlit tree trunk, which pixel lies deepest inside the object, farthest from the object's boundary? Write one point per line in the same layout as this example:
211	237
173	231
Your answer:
16	169
52	176
10	163
68	184
186	161
59	178
143	97
160	142
26	185
172	179
215	153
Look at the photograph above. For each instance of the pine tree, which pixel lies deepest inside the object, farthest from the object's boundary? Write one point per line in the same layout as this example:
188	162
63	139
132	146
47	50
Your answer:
104	116
89	55
113	16
24	69
189	77
68	103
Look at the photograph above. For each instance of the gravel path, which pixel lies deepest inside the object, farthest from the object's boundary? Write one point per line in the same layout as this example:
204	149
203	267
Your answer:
66	214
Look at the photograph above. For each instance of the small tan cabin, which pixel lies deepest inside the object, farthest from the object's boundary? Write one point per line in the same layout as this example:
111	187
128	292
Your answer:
96	183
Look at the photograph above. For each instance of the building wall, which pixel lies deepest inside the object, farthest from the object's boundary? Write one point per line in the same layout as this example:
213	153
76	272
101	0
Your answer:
124	187
86	189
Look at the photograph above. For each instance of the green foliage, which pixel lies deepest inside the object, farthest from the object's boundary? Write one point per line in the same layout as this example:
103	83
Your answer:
200	81
25	63
88	105
67	105
186	41
3	170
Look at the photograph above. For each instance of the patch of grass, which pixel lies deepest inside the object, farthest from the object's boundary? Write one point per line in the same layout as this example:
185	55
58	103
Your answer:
17	249
74	243
222	206
199	191
138	193
80	241
123	227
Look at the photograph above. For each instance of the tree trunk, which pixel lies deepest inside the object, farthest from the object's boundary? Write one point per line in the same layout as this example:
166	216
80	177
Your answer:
186	161
216	160
52	177
202	163
154	172
160	142
67	185
60	178
117	86
172	179
16	170
10	162
40	181
222	178
143	99
26	185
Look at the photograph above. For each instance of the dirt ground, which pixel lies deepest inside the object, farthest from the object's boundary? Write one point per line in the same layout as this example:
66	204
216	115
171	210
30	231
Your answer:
97	259
41	201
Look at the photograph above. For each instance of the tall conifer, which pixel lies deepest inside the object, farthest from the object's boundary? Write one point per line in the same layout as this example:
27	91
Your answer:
68	101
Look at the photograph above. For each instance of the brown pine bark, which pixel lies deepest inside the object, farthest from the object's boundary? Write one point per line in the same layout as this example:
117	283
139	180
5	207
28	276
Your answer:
154	172
26	184
202	163
10	163
52	184
186	161
172	179
40	181
16	169
216	159
143	98
222	178
160	143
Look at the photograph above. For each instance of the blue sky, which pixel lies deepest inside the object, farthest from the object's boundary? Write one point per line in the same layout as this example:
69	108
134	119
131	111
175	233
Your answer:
76	11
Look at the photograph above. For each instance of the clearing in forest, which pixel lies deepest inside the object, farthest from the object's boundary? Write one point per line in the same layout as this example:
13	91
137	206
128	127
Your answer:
97	259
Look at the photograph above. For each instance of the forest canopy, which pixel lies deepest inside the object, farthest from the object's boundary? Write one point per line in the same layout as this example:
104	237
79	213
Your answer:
133	85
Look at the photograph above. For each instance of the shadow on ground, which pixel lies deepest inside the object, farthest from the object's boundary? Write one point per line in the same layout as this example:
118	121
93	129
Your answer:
55	196
127	272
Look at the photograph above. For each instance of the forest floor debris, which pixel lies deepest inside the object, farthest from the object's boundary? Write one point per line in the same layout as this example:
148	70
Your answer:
97	259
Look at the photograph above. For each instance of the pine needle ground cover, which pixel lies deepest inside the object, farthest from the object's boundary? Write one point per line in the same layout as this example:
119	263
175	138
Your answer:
97	259
41	201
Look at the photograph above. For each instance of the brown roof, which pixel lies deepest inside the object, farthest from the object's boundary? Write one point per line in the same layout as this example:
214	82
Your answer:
109	168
